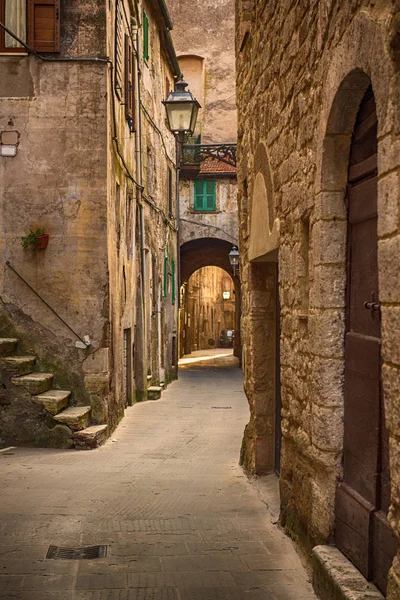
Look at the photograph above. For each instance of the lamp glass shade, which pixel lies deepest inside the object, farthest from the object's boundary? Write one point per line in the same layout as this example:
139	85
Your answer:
179	115
234	257
182	108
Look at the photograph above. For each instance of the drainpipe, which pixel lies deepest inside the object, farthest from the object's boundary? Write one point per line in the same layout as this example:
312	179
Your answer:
178	253
139	171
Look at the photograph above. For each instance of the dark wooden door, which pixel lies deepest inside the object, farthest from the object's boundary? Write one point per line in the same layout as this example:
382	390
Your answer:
362	501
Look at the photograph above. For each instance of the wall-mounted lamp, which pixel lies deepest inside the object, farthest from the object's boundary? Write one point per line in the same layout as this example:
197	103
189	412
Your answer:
182	108
234	259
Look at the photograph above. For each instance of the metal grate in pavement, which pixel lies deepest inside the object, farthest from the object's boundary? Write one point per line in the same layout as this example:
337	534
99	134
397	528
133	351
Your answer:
222	407
90	552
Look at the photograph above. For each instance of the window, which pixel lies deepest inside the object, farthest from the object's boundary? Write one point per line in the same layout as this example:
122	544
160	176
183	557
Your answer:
205	196
165	278
129	84
145	36
173	280
119	53
34	21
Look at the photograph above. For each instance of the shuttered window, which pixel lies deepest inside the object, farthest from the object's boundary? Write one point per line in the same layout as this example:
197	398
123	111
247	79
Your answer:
173	280
165	278
205	195
44	25
129	84
119	53
145	36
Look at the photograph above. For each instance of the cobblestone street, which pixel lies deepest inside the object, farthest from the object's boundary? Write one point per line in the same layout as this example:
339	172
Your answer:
165	494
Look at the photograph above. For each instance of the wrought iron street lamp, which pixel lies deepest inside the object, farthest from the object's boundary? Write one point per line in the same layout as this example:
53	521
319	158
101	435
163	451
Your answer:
234	259
182	108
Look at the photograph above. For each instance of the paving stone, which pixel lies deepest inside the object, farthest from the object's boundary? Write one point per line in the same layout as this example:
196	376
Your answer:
180	519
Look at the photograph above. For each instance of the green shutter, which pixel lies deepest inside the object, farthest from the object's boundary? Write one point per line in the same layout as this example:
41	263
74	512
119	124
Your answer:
145	36
173	280
211	196
198	195
165	281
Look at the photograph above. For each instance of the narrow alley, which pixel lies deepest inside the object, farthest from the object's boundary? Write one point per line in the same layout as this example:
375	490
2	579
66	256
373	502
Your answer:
165	495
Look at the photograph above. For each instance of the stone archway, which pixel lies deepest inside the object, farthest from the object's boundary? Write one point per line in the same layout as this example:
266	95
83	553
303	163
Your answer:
204	252
349	164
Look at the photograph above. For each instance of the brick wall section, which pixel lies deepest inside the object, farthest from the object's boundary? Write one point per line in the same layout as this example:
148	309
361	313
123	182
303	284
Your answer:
302	70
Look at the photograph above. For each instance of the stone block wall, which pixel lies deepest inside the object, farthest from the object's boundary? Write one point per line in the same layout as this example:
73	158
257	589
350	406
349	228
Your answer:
302	70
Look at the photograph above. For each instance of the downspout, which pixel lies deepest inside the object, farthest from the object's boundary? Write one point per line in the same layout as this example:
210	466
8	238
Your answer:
139	171
178	253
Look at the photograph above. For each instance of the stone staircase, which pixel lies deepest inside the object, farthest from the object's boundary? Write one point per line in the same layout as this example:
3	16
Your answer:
71	425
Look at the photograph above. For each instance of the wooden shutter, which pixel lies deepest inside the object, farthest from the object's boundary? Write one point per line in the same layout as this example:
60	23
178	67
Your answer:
145	36
198	195
129	90
173	280
210	193
44	25
119	53
165	282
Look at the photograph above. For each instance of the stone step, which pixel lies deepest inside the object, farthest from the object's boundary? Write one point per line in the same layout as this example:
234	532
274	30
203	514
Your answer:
35	383
53	400
20	365
7	345
154	392
76	417
91	437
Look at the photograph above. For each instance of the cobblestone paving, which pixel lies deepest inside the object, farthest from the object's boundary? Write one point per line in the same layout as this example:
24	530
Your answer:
165	494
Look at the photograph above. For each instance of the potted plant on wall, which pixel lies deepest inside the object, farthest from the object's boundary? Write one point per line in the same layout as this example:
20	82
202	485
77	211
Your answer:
38	239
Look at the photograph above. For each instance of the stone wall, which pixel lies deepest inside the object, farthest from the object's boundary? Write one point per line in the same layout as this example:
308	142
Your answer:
302	70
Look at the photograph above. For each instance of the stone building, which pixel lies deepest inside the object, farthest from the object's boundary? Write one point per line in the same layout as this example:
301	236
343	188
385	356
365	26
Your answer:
85	156
204	38
319	189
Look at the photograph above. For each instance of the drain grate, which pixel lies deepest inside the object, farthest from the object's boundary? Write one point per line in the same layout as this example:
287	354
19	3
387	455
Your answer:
222	407
90	552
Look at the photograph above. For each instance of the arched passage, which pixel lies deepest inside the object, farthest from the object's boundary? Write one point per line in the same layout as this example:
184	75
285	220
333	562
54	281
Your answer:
204	252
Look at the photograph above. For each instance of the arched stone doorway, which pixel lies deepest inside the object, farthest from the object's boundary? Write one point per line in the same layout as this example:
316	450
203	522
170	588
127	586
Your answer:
205	252
363	533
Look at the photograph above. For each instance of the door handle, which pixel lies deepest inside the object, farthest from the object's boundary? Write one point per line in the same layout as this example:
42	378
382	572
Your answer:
372	305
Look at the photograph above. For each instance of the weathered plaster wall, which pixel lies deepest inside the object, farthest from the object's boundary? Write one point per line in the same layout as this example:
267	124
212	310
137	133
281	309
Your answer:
208	31
302	69
159	156
222	224
57	181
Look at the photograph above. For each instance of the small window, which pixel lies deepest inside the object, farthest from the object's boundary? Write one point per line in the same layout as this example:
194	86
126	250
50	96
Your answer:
173	280
129	84
205	196
145	36
165	277
36	22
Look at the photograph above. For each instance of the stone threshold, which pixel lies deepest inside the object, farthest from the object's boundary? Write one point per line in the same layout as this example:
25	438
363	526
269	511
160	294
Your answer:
336	578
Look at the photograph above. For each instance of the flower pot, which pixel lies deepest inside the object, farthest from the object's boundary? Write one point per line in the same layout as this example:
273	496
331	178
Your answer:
42	241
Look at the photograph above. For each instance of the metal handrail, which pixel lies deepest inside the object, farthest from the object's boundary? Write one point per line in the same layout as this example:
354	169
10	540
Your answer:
9	265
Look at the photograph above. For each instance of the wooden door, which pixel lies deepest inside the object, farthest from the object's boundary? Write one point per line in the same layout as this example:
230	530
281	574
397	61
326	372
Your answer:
362	501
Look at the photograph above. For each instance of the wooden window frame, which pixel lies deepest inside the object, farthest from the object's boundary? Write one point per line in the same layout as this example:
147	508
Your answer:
3	48
170	194
129	84
202	205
